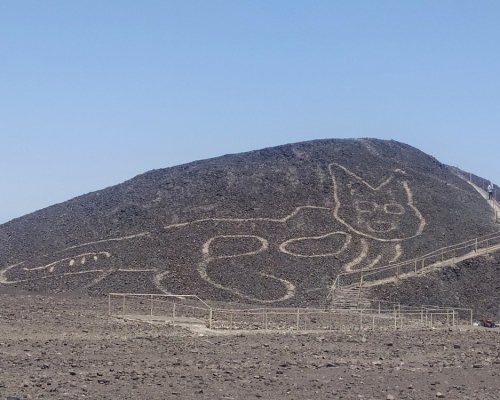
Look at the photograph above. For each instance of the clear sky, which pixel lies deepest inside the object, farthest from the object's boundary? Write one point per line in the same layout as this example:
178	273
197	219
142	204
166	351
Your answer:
93	93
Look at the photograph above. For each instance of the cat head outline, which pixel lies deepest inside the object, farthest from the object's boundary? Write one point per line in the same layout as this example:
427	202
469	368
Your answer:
385	212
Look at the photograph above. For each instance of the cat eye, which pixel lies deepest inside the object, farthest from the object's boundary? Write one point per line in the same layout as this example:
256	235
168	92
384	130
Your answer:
394	209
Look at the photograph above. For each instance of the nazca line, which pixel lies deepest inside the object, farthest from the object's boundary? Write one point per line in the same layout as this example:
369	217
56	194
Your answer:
281	220
202	268
408	192
290	286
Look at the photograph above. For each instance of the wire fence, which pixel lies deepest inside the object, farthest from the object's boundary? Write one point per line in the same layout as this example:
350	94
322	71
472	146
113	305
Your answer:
189	309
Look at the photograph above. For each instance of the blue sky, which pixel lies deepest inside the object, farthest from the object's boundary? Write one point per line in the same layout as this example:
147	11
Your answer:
93	93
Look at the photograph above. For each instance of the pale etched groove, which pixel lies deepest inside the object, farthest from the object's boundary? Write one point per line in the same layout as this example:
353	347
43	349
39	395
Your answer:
285	243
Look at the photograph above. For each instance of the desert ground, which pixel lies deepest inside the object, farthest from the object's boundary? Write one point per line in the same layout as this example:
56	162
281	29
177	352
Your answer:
62	347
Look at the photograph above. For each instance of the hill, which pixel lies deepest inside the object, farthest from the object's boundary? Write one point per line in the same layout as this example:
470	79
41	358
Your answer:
271	226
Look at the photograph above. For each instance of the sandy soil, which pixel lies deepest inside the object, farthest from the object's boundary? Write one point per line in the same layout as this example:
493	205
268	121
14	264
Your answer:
67	347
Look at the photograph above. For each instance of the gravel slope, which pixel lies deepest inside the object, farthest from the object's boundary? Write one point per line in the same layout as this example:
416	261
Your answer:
272	226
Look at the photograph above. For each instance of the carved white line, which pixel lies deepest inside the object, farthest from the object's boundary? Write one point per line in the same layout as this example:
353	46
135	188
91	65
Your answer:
359	179
281	220
3	278
290	287
136	270
104	275
285	243
5	281
390	226
361	257
106	240
157	281
398	254
107	254
264	245
374	262
415	209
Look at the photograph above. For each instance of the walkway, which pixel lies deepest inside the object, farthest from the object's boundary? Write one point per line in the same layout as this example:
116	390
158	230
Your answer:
346	284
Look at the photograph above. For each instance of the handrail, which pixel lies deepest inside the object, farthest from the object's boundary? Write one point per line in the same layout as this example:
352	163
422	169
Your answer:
162	295
418	262
457	246
281	318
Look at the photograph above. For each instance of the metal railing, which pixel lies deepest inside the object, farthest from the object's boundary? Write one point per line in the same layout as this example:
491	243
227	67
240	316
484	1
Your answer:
439	258
373	314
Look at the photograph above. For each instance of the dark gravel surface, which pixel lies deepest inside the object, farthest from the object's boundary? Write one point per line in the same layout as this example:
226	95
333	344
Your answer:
67	348
274	225
473	283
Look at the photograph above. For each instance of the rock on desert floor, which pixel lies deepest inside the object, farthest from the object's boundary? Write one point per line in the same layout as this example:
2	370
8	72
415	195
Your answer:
68	348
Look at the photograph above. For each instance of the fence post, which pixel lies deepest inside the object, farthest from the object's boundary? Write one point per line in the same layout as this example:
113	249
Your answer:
453	317
373	322
379	306
298	318
265	313
360	285
151	309
210	319
431	320
415	266
173	316
471	317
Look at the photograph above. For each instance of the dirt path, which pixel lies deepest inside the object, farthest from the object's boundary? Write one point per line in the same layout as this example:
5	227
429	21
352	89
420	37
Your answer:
56	347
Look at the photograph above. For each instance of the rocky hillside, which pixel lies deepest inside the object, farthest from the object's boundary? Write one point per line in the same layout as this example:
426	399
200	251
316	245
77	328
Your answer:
271	226
473	283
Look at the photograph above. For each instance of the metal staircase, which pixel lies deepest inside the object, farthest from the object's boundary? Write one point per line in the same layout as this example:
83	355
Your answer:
347	289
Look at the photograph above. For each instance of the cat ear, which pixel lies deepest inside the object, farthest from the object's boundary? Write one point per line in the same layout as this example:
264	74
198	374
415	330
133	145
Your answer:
343	176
